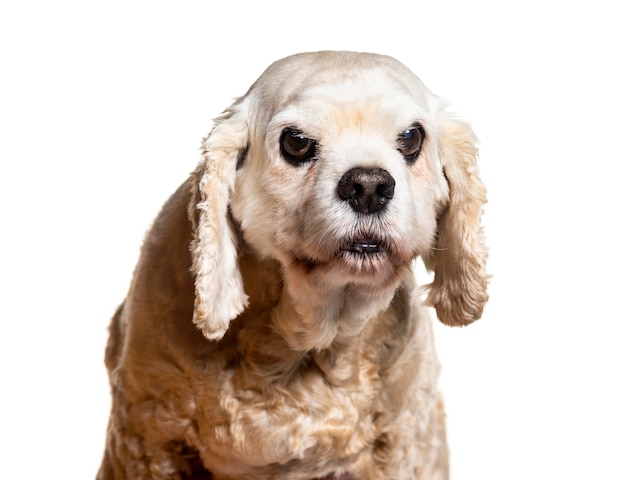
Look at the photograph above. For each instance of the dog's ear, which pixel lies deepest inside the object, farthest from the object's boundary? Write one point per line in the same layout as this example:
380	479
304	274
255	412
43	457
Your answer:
220	296
459	288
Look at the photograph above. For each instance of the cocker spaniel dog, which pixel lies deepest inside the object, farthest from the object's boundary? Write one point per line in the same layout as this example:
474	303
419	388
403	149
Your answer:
273	328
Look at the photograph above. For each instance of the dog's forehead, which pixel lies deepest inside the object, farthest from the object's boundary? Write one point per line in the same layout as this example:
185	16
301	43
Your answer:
339	78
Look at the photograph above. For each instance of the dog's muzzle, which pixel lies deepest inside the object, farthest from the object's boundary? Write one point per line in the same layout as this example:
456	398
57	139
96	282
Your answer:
367	190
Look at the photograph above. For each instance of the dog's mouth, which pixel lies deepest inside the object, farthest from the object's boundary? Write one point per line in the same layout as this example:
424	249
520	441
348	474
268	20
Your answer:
365	255
364	247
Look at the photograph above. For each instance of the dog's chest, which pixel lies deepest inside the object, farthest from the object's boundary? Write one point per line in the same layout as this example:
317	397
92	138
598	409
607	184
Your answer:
306	421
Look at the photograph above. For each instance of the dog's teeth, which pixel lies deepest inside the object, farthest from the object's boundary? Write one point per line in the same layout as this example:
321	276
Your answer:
365	247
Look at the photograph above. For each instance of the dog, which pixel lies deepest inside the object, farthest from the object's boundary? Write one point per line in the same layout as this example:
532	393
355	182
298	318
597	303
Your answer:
274	328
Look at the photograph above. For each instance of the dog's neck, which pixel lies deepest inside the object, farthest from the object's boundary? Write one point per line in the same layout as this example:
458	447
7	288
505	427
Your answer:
306	313
314	316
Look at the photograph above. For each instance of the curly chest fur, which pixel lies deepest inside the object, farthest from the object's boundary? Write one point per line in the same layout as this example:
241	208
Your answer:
306	420
264	406
256	409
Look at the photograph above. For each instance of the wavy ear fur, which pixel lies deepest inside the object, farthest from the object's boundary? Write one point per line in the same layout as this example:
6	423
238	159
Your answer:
459	288
220	296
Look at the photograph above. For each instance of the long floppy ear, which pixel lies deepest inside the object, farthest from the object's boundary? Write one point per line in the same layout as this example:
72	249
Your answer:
220	296
459	288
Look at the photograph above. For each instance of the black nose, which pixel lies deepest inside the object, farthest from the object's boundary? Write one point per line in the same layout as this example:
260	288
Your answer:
367	190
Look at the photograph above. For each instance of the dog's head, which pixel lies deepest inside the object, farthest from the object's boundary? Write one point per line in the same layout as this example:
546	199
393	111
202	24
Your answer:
344	168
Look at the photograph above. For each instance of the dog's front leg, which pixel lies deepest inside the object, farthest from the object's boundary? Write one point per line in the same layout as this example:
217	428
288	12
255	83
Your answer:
130	455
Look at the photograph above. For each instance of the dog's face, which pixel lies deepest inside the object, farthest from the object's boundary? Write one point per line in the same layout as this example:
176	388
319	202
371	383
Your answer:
341	176
338	165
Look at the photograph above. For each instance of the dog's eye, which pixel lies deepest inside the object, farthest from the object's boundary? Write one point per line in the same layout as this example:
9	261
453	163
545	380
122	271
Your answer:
295	147
410	142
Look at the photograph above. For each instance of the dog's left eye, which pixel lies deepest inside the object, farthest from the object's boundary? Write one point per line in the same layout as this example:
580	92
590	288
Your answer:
410	142
295	147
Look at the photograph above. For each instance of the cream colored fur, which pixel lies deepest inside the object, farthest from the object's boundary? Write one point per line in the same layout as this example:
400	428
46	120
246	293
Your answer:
254	342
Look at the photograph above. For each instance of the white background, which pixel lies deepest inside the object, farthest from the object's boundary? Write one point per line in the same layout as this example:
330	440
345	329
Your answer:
102	109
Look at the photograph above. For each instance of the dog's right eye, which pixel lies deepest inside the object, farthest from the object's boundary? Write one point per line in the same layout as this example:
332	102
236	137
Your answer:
295	147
